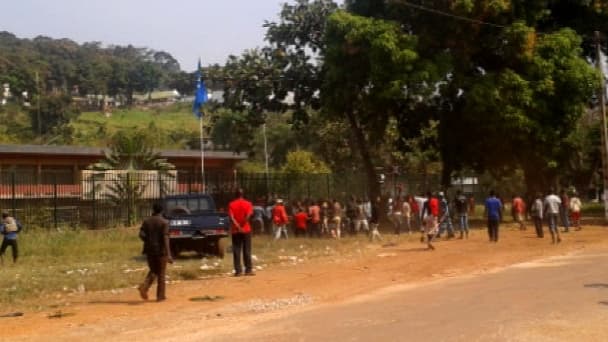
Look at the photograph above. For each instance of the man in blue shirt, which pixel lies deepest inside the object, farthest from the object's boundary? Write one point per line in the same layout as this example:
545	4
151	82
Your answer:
493	209
9	229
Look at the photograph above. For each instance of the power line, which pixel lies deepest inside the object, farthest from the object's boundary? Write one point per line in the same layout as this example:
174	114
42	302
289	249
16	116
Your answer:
451	15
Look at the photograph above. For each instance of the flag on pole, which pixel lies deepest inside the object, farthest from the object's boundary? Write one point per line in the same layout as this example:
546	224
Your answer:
200	96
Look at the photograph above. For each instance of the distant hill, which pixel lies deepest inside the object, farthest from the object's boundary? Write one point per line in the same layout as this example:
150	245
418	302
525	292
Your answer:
45	65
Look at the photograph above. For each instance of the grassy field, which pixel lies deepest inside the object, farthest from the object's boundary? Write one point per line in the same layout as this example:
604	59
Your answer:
170	124
56	267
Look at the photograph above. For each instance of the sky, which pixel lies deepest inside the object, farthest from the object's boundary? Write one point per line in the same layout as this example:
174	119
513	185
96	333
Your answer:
187	29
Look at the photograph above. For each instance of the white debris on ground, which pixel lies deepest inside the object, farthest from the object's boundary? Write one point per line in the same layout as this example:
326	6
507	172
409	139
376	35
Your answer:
386	255
268	305
168	280
290	260
131	270
206	267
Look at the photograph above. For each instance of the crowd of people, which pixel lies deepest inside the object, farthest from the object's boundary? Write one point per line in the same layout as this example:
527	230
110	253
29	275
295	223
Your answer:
322	218
432	214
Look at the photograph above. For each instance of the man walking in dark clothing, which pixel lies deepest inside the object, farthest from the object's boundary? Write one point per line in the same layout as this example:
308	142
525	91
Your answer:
155	234
240	211
493	212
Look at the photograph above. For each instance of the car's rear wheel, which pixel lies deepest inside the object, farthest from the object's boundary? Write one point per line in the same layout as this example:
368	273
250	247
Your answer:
216	246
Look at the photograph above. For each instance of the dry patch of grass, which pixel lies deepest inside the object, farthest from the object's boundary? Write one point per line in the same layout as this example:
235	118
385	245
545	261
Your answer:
55	268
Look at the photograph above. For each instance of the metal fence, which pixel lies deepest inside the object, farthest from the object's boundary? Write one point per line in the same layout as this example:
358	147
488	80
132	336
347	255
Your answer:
101	200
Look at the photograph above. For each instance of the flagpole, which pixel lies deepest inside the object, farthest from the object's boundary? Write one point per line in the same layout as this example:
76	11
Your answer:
200	97
202	155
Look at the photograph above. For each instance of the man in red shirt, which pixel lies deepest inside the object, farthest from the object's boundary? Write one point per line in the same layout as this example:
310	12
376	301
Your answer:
280	219
240	211
430	212
301	220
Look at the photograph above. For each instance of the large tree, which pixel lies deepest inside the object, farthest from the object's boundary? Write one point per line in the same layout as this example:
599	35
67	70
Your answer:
373	73
517	82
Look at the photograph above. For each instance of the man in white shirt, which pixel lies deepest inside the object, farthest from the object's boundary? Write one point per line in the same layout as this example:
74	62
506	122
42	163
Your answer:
575	210
552	208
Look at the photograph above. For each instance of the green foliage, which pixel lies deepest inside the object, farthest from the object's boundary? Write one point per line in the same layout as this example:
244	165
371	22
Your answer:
132	151
15	125
55	111
173	126
64	65
303	162
506	86
251	167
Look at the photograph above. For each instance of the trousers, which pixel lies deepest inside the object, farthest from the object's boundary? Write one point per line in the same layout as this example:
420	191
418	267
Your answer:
158	267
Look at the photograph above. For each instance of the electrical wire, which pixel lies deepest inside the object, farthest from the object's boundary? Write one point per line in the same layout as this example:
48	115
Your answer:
446	14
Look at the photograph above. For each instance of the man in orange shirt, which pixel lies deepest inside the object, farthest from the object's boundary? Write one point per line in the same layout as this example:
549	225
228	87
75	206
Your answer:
519	208
240	211
314	213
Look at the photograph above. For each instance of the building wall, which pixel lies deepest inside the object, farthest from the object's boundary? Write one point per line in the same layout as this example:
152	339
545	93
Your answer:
66	169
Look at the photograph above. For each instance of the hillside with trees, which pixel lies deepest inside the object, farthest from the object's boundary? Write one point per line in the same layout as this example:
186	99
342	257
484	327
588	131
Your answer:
500	88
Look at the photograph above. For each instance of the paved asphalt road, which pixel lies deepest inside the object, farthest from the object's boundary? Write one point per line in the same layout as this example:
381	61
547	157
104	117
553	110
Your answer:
556	299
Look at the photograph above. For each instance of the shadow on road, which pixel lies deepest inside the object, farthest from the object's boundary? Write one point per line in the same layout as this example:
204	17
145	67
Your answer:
119	302
604	302
417	249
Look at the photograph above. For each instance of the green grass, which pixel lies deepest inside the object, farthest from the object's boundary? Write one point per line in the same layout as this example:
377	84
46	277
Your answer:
170	124
54	268
56	265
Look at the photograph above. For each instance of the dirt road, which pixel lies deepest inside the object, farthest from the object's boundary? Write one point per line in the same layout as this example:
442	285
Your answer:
465	290
559	298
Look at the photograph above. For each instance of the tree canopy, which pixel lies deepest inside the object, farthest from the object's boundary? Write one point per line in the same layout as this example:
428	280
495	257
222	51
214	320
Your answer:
63	65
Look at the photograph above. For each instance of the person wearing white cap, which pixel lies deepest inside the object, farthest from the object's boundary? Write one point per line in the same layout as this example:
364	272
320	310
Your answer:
280	219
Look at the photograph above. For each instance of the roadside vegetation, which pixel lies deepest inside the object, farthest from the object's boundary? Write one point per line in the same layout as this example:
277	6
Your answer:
56	268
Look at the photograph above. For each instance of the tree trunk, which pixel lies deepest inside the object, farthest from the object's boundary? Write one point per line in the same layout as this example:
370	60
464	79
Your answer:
372	182
537	180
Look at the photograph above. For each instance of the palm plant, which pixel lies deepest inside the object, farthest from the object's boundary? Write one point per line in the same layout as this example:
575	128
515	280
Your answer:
129	154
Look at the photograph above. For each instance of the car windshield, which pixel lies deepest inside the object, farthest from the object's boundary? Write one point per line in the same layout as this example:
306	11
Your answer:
192	204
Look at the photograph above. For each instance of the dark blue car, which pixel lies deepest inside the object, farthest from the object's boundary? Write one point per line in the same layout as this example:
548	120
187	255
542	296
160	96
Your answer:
196	225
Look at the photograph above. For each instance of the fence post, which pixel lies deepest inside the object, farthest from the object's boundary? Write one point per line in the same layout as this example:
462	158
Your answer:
55	201
13	199
160	185
328	186
129	207
94	203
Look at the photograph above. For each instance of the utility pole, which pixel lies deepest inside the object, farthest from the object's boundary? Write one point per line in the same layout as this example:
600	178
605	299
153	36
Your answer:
602	95
38	106
266	159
